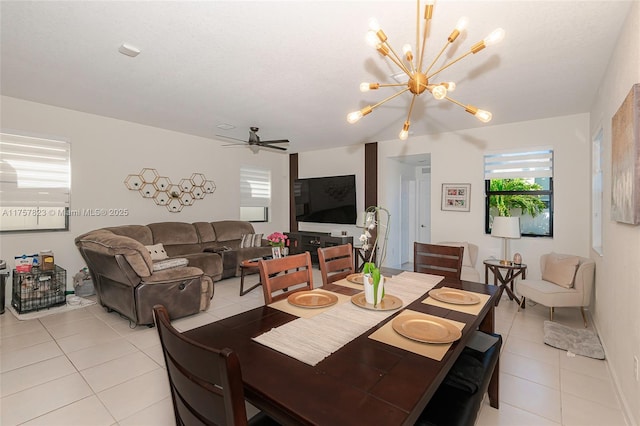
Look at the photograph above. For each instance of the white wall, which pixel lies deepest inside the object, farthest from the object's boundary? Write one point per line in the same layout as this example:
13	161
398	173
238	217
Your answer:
105	151
617	313
458	158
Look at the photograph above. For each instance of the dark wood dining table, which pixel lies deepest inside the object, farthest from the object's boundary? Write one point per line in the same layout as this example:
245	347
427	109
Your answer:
364	382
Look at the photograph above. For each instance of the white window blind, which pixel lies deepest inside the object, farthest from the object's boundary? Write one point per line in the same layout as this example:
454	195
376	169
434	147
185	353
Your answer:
35	180
255	187
523	164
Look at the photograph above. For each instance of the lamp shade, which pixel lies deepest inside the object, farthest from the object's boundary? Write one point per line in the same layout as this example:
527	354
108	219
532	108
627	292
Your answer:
505	227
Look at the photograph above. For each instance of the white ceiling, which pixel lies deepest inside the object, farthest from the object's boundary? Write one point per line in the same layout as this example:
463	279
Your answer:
293	68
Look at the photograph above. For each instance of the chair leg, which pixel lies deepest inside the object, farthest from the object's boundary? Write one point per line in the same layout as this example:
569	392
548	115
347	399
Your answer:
551	313
584	316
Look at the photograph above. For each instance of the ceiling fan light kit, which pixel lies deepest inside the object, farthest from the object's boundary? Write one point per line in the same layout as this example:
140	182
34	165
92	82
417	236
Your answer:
412	66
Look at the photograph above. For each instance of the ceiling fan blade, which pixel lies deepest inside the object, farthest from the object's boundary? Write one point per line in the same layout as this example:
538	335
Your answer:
235	139
276	141
273	147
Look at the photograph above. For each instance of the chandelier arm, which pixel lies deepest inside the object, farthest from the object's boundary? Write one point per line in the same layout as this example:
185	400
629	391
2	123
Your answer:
424	43
398	61
389	98
447	44
413	100
450	63
455	102
393	84
418	26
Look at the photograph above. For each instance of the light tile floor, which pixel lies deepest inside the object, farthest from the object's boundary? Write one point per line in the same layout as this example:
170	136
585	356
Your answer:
89	367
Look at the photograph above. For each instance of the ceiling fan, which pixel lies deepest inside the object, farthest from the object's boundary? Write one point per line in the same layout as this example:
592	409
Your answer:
254	143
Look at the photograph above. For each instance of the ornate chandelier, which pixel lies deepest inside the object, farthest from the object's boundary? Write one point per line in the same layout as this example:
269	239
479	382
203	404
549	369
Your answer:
419	79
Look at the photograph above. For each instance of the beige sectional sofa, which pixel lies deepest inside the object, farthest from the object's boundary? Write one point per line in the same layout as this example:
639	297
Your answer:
129	281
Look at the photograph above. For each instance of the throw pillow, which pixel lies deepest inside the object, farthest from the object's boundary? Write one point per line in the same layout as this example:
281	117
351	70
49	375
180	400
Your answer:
161	265
251	240
157	252
560	270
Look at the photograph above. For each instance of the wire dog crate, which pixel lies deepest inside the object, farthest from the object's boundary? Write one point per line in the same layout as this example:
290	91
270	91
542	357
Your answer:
38	289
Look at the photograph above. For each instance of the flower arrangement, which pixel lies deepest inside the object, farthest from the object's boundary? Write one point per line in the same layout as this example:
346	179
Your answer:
277	239
373	218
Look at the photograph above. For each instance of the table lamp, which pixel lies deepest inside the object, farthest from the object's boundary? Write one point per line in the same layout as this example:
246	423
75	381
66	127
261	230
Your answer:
505	227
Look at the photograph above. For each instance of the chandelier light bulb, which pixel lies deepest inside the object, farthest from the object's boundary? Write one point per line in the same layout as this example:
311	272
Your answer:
354	117
364	87
449	85
374	25
496	36
439	92
462	23
408	53
484	116
404	133
372	38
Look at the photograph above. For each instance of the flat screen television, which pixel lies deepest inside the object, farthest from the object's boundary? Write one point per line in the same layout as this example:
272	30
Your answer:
326	199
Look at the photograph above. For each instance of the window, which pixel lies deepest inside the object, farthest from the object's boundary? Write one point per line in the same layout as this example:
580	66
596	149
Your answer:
596	194
35	179
520	184
255	194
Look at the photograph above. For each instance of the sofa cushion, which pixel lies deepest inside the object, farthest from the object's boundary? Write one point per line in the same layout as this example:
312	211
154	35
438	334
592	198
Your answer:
140	233
176	262
560	270
205	232
251	240
231	229
173	233
157	252
210	263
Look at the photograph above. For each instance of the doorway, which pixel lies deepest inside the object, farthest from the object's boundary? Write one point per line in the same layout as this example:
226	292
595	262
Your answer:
414	205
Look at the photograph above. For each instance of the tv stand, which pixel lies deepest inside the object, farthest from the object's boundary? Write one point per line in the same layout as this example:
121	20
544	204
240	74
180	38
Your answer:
301	241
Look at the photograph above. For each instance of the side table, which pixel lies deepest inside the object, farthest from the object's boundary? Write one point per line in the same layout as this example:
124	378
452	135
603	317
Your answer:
512	270
247	266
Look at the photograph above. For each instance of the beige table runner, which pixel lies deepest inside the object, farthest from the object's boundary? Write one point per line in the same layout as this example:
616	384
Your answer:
467	309
386	334
346	283
284	306
310	340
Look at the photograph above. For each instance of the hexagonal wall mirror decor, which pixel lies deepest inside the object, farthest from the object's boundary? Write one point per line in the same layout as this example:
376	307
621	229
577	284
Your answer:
174	197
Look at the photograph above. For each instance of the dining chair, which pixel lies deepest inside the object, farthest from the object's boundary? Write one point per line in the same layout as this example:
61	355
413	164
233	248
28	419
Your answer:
438	259
285	275
336	262
206	383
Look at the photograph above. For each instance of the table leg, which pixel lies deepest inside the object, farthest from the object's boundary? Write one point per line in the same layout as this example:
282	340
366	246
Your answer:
242	274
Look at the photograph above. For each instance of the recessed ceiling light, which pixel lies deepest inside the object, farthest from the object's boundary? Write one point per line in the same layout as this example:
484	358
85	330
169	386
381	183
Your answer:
129	50
225	126
400	77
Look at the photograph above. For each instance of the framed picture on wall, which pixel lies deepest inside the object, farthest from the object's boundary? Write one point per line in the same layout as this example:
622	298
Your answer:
625	160
455	196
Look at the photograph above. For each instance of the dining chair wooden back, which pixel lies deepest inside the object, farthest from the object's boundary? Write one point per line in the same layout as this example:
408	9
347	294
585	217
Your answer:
285	275
336	262
438	260
206	383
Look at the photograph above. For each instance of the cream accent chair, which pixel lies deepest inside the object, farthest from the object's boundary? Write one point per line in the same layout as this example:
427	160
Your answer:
567	281
469	272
